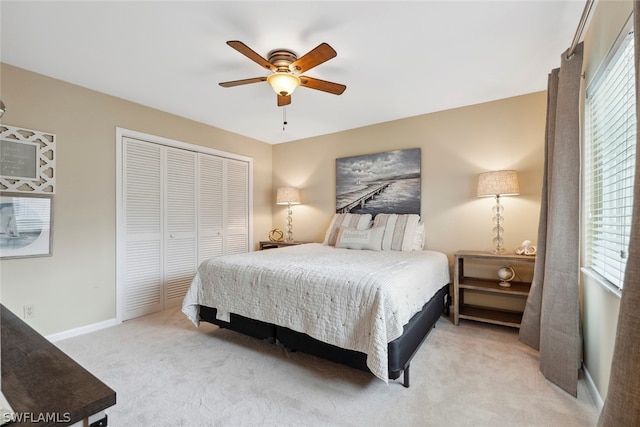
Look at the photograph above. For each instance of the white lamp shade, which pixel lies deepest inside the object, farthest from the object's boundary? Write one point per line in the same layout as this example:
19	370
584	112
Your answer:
283	83
502	183
288	195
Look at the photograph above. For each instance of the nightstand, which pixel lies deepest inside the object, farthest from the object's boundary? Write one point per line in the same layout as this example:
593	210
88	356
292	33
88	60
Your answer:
488	287
267	244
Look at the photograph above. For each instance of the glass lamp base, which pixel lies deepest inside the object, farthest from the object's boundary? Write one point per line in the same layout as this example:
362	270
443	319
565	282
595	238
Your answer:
289	236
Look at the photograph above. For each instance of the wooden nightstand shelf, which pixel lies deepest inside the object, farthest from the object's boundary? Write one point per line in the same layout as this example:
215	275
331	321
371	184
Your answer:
268	244
488	287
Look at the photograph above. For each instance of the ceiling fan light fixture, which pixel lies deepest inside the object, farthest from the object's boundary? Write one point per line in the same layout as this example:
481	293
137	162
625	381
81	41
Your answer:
283	83
286	68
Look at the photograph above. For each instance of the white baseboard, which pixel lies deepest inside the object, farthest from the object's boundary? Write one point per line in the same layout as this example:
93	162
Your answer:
82	330
592	388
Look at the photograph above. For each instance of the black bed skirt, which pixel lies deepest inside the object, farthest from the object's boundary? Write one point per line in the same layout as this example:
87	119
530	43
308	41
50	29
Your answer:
400	350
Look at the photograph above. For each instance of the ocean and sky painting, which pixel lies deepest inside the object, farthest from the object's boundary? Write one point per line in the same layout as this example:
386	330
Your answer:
379	183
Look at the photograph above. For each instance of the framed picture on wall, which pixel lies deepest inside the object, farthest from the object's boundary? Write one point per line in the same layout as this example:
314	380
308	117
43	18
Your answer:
19	159
25	225
27	161
379	183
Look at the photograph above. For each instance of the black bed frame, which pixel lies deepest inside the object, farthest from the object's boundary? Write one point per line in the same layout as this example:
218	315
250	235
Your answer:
400	351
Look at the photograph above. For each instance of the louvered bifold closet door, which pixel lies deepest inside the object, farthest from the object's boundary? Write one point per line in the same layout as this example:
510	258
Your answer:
181	226
143	223
211	208
237	204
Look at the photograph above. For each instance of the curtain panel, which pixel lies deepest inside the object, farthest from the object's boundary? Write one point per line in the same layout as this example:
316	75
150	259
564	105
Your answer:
622	405
550	321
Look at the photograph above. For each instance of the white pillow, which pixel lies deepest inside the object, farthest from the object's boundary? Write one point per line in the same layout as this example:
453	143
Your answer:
419	237
359	221
352	238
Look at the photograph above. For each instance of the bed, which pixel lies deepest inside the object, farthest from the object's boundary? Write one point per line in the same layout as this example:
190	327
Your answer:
348	299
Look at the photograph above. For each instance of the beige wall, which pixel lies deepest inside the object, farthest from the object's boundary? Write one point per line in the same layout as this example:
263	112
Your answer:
76	286
456	145
600	307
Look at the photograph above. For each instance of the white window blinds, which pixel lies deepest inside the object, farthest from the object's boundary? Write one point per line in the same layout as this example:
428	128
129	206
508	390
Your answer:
610	164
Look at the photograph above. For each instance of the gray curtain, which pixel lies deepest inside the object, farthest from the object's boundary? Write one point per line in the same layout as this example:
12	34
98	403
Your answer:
622	405
550	321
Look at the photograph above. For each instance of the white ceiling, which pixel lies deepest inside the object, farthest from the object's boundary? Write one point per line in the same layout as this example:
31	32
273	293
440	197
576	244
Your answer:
398	59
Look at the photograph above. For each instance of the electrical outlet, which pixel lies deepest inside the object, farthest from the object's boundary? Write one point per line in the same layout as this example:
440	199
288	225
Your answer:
29	311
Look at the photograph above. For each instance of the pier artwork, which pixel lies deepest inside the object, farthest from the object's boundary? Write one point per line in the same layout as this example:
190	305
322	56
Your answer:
386	182
348	201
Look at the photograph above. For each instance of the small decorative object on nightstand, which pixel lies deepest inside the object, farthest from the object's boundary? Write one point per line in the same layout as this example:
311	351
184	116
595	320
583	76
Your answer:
488	287
526	249
276	235
506	275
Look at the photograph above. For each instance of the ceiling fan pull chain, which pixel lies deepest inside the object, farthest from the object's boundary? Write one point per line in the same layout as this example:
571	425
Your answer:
284	117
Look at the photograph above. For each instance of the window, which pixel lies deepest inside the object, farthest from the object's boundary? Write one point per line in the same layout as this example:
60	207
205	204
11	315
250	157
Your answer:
610	164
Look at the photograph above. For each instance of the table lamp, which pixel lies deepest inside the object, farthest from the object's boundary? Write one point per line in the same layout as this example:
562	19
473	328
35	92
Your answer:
288	196
496	184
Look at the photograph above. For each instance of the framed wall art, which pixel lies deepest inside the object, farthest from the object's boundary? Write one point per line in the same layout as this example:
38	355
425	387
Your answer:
19	160
27	161
379	183
25	225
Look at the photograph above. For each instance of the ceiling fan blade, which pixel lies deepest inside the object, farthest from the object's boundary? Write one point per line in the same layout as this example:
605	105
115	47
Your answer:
325	86
315	57
243	82
251	54
284	100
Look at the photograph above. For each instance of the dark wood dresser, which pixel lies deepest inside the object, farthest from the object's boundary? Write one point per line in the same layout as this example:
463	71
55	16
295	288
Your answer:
44	386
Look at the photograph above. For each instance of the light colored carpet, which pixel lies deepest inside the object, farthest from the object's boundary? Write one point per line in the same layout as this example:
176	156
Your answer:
168	373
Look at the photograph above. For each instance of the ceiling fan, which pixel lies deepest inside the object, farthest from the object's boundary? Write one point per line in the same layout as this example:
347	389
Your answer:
287	67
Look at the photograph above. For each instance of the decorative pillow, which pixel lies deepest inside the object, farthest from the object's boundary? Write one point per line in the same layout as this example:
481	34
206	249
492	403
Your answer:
352	238
361	222
399	231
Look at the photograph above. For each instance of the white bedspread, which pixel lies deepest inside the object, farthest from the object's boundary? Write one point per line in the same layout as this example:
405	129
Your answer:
358	300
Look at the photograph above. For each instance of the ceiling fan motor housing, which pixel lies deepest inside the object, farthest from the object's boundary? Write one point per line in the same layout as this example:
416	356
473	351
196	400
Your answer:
282	58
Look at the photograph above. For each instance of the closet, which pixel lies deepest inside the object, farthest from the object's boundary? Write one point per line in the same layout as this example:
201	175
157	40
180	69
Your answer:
178	205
